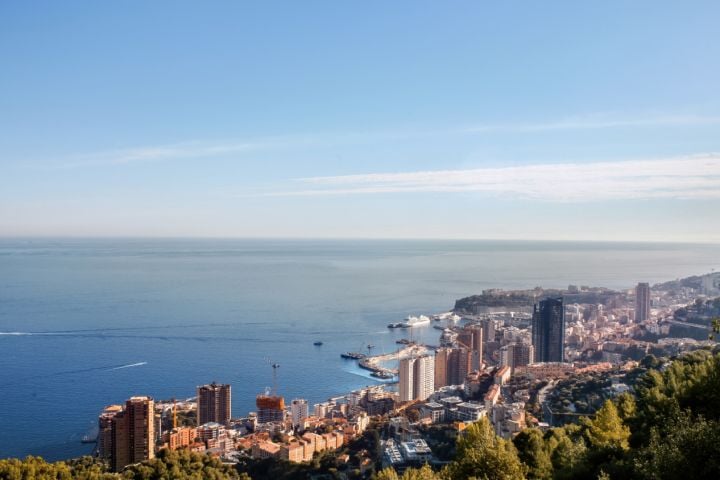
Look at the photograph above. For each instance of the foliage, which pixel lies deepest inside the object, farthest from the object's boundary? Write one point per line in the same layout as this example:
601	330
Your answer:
32	468
606	430
181	465
483	455
533	453
672	422
178	465
423	473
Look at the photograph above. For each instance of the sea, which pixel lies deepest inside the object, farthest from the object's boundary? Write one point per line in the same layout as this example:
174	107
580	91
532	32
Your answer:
85	323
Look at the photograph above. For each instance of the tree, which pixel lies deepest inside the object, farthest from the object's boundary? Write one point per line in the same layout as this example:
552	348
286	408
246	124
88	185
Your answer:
35	468
567	451
606	430
387	474
533	453
181	465
423	473
483	455
690	449
626	406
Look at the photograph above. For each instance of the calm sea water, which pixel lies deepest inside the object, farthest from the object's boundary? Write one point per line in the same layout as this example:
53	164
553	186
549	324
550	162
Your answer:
86	323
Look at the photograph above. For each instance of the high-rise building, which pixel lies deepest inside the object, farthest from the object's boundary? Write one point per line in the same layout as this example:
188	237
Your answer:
104	439
452	365
214	404
517	355
488	326
642	302
548	330
416	378
424	377
471	337
441	366
406	379
298	411
133	433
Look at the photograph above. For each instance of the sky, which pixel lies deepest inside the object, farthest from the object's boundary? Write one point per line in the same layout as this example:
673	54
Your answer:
560	120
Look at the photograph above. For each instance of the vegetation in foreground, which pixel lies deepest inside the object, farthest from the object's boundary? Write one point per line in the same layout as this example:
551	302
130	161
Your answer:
175	465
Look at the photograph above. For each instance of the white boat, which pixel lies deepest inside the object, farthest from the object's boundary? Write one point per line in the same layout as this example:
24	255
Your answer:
413	321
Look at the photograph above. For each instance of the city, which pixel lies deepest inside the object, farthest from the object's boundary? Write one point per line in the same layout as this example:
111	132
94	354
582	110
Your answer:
501	356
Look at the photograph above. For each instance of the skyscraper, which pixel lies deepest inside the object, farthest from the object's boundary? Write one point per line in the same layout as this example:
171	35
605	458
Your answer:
416	378
214	404
133	433
548	330
642	302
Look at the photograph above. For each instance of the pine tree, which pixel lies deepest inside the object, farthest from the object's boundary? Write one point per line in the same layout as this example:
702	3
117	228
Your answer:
483	455
533	453
607	430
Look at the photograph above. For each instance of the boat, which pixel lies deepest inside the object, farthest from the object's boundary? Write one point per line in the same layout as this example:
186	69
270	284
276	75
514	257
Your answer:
404	341
383	375
413	321
353	355
88	439
318	343
394	325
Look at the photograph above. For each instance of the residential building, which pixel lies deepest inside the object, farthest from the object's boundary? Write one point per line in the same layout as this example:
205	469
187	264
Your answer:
452	366
104	438
416	378
214	404
299	411
517	355
133	433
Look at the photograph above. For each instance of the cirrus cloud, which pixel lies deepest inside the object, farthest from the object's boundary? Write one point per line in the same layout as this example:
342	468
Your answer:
688	177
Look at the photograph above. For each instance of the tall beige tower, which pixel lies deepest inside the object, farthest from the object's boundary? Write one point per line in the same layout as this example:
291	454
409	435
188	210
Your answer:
133	433
416	378
406	379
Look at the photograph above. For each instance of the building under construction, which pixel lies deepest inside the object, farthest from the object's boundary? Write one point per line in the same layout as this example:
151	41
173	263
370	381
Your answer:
270	405
270	408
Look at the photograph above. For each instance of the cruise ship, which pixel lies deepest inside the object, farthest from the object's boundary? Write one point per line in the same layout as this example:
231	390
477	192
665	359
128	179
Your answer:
413	321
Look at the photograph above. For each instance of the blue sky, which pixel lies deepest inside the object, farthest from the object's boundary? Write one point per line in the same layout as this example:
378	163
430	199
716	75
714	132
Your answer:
361	119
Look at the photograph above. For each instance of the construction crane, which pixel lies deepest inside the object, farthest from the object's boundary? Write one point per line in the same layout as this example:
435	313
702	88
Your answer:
275	367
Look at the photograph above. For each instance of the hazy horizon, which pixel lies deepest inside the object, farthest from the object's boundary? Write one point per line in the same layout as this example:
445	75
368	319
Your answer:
369	239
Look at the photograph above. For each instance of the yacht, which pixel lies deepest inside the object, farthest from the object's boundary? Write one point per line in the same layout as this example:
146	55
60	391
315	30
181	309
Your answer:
413	321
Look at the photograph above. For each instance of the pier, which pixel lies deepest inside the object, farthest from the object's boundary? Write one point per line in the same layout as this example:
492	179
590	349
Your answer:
373	362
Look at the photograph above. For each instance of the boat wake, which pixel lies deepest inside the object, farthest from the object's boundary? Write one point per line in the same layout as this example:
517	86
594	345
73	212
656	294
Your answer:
130	365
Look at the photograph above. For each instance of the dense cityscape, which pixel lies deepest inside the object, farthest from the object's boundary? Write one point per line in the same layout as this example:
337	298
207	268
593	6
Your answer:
504	356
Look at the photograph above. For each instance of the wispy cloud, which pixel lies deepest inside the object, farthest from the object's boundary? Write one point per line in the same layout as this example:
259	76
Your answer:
299	142
596	121
158	153
687	177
